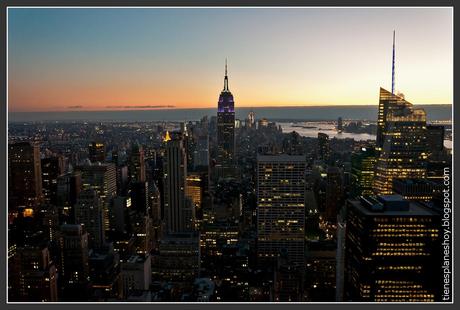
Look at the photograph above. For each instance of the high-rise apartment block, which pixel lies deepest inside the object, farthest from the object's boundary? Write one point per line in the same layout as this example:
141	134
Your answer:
281	207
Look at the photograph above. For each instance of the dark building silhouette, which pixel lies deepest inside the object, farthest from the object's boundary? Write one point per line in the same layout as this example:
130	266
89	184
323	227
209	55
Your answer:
334	193
104	271
392	251
292	145
288	280
35	275
320	282
139	197
74	272
89	212
178	214
69	186
362	171
51	168
24	175
435	138
136	165
324	149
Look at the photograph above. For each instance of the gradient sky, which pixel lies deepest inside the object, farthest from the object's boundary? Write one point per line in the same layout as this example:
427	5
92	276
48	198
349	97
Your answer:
107	58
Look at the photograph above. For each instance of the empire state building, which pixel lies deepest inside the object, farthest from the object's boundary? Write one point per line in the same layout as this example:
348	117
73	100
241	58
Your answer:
225	130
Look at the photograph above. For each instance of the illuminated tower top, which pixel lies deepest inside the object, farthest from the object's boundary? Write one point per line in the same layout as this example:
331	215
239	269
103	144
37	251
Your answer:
226	103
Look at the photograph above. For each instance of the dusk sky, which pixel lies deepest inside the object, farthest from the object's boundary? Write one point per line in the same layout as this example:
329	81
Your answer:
105	59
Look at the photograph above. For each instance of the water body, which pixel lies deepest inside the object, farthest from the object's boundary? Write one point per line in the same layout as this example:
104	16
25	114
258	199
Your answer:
311	129
328	128
318	113
285	116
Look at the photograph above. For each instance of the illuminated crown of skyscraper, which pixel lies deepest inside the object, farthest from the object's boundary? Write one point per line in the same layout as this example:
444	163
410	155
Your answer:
226	103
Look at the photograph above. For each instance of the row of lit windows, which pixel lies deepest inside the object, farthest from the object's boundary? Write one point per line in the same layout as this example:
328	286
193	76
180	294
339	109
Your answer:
400	244
398	288
394	230
399	267
403	235
400	254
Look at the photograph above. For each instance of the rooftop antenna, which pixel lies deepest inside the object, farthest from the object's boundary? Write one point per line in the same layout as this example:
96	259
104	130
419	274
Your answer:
226	77
393	67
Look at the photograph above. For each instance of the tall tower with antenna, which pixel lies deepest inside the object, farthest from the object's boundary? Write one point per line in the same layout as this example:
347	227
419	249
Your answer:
225	130
401	139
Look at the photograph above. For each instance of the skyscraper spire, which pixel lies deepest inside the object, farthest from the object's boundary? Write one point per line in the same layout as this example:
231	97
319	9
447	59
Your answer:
393	67
226	77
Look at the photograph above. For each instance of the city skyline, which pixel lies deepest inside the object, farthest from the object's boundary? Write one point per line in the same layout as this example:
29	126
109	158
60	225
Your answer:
230	203
133	72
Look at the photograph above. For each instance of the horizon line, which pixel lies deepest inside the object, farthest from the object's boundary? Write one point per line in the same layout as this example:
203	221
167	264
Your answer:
215	108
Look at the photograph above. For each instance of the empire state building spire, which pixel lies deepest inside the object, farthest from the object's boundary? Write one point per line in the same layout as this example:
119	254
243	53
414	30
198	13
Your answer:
226	77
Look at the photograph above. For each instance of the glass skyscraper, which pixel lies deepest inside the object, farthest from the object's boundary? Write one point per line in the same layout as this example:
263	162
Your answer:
401	142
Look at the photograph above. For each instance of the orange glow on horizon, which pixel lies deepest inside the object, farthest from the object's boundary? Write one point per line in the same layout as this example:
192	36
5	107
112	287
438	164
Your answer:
121	99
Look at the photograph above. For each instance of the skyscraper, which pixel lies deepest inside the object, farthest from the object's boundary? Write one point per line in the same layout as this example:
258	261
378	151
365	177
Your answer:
24	175
137	164
178	257
226	129
74	272
89	212
68	188
51	170
281	207
178	216
201	154
35	276
393	251
323	146
401	144
334	192
194	189
103	179
438	155
389	103
362	171
435	138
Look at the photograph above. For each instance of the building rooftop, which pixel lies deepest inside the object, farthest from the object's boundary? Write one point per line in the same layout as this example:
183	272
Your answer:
390	205
281	158
415	181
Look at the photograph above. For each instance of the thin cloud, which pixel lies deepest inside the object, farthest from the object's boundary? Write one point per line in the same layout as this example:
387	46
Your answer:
139	106
75	107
